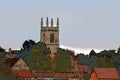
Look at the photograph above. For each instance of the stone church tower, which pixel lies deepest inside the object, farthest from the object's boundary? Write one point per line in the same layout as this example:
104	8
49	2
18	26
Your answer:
50	34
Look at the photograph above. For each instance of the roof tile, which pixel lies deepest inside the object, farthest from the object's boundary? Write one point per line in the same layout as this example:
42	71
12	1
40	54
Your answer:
24	73
106	72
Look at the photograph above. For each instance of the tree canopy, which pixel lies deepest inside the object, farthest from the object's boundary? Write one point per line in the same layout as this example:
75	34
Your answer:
39	58
62	60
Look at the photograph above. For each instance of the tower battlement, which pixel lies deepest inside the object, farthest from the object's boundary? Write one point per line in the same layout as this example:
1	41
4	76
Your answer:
51	23
50	34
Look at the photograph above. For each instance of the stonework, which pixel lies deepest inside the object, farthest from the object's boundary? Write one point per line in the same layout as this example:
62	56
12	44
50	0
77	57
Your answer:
50	34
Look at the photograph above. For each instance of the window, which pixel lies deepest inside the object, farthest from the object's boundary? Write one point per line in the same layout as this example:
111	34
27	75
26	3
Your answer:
51	37
44	37
27	79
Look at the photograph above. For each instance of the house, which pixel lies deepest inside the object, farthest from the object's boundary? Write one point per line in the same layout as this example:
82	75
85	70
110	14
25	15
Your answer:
50	75
24	75
16	64
11	54
104	74
20	68
84	69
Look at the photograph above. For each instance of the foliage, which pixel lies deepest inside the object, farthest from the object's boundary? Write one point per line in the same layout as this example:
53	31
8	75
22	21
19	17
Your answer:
92	53
5	72
42	47
118	51
106	62
106	58
86	60
2	50
82	59
39	58
87	76
117	60
107	53
62	60
28	44
93	62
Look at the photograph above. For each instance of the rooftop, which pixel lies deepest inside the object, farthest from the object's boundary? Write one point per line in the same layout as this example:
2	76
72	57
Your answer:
106	72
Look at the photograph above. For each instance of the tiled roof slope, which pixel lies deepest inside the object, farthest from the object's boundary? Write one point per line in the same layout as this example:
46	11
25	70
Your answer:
11	61
24	73
106	72
84	68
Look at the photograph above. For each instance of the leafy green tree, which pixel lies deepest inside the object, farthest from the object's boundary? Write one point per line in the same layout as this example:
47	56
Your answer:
62	60
39	58
5	71
2	50
82	59
118	51
93	62
106	62
108	53
117	60
28	44
92	53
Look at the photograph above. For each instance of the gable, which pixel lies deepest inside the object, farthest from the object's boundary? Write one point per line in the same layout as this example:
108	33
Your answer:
20	65
93	75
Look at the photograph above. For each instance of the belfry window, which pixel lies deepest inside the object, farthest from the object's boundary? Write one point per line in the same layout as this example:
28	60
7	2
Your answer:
44	37
51	37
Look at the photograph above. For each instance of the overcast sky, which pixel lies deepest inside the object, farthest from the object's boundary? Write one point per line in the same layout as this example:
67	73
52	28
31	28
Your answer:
84	24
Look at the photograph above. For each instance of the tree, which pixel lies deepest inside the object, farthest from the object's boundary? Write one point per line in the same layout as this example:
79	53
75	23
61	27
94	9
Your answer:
2	50
62	60
117	60
28	44
106	58
5	71
92	53
118	51
82	59
38	57
93	62
108	53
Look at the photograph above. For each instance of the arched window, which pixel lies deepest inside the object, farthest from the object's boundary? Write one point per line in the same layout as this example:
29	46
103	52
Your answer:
51	37
44	37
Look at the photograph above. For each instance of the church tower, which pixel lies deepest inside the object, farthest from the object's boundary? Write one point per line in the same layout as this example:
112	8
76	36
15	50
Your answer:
50	34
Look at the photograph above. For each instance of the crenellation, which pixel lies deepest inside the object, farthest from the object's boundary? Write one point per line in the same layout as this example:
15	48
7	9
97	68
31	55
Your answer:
49	25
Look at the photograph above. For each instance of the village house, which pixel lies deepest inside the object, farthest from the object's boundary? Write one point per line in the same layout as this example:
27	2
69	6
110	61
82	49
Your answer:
11	54
104	74
20	68
51	75
16	64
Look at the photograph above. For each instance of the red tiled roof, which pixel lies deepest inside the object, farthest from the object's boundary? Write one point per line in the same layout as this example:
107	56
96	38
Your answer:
24	73
58	74
84	68
106	72
11	61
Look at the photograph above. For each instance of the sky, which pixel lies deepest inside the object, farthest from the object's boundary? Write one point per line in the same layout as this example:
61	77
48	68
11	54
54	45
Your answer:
84	24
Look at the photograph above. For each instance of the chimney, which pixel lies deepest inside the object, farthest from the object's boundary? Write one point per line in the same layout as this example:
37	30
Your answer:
10	50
